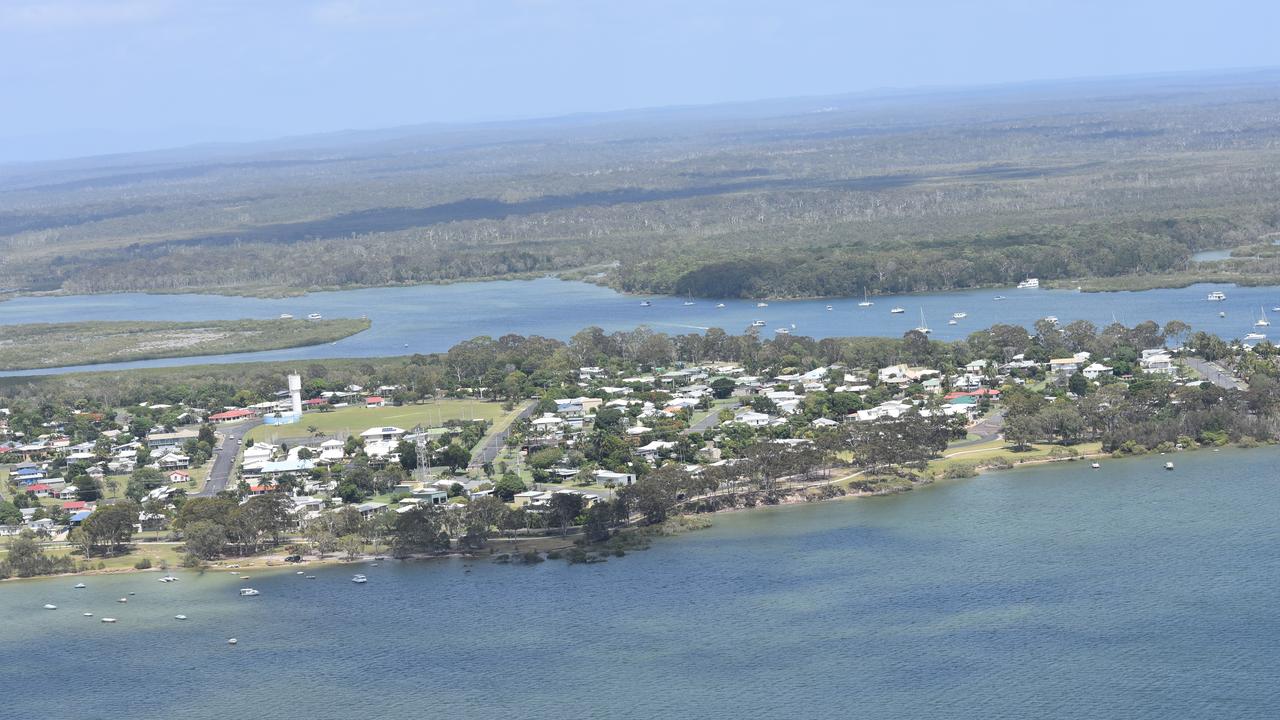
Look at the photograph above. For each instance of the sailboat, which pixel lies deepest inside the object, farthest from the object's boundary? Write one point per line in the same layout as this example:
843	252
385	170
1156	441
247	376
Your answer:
865	302
923	327
1262	321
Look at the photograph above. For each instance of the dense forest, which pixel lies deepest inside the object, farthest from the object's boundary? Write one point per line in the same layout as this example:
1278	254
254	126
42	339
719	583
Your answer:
826	196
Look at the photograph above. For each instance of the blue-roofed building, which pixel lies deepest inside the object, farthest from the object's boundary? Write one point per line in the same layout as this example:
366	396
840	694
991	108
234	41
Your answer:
79	516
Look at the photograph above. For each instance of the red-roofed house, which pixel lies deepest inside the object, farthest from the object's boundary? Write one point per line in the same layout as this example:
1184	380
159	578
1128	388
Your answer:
262	489
177	476
75	505
231	415
39	489
315	402
375	401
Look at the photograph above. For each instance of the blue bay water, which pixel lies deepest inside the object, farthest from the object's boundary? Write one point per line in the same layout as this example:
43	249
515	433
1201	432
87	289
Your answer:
1053	592
432	318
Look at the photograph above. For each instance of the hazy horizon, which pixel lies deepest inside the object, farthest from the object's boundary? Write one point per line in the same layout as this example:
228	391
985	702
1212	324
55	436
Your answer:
89	78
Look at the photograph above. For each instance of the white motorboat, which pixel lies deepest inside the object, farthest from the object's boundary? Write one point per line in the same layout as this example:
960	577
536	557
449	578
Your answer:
1051	318
87	614
1029	284
314	316
359	579
782	331
998	297
50	606
960	315
231	641
108	620
1222	314
79	586
168	579
1095	466
1262	321
645	303
1168	466
1216	296
897	311
762	304
286	316
179	617
248	592
830	308
123	600
1255	336
719	305
758	323
953	321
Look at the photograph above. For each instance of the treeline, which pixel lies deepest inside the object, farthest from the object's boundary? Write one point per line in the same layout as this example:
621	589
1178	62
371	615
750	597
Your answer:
515	366
900	266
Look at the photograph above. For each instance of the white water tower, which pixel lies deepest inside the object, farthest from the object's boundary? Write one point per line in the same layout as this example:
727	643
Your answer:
295	393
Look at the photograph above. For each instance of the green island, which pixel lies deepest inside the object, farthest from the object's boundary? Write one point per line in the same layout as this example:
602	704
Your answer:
46	345
524	449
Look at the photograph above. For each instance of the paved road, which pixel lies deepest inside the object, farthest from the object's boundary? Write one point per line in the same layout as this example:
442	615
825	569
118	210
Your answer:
224	458
987	429
1214	373
709	421
490	448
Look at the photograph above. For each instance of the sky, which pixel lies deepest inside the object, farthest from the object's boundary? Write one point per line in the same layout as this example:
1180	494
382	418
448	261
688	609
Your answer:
84	77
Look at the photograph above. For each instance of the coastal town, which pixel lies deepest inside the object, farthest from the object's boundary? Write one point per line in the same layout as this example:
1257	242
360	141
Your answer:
647	430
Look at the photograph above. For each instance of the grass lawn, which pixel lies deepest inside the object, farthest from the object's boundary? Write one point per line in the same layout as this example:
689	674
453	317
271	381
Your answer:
354	420
985	452
157	552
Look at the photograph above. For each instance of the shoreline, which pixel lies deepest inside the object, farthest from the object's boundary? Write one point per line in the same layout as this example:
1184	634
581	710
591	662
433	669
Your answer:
275	561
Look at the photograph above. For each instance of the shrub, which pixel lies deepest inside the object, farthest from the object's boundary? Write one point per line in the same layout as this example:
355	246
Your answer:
143	564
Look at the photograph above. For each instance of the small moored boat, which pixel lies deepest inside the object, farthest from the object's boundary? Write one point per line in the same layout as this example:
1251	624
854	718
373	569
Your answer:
231	641
762	304
286	316
719	305
1168	466
50	606
1095	466
79	586
758	323
1029	284
108	620
645	303
314	316
179	617
1216	296
897	311
248	592
359	579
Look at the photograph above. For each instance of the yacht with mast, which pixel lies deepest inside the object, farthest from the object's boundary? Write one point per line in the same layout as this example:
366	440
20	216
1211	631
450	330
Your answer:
923	327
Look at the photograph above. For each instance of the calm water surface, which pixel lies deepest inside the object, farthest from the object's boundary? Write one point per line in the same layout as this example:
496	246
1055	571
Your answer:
1056	592
432	318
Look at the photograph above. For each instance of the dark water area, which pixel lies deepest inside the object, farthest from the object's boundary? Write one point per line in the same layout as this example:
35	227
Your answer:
1127	592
